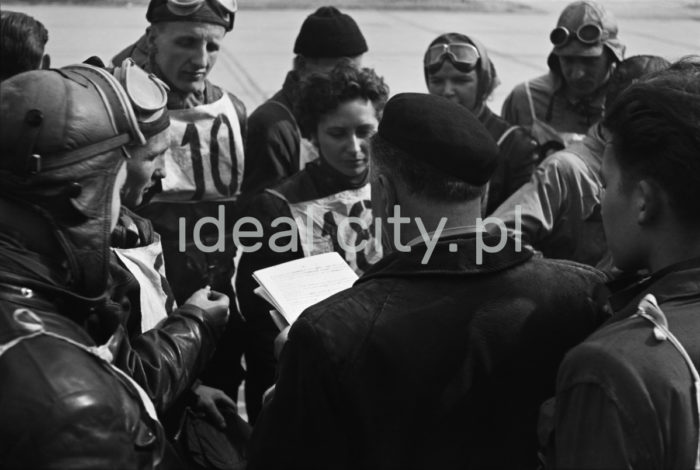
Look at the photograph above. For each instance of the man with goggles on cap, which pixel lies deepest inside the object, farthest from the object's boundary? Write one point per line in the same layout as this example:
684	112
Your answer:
558	210
275	148
168	347
561	106
63	404
205	159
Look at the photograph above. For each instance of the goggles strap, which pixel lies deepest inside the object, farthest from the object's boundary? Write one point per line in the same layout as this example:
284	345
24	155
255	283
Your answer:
78	155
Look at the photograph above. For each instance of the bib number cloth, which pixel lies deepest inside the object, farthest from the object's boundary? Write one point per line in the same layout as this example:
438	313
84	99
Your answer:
341	222
205	159
146	264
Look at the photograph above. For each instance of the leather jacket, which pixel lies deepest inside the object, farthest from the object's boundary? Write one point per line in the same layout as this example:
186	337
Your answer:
76	402
60	405
164	360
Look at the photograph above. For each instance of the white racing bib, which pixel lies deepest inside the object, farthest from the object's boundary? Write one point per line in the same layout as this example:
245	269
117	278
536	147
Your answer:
146	264
205	158
342	223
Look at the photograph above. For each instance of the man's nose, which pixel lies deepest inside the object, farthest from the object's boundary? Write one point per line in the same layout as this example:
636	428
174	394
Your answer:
159	172
200	57
356	144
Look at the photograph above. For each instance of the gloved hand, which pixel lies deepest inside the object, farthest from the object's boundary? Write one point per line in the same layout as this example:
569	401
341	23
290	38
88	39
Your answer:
215	305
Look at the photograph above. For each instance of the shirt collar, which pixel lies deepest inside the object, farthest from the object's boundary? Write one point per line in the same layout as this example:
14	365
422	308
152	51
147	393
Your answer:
446	233
674	281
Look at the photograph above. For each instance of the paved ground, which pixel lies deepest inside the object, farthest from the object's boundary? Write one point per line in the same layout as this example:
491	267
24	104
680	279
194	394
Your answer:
257	54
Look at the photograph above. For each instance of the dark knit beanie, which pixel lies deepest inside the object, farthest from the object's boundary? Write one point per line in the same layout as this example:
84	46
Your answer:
329	33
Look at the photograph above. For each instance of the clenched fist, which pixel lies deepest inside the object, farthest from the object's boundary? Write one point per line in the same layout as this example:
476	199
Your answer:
215	304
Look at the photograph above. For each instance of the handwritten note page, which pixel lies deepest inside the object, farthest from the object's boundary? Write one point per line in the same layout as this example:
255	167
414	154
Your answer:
296	285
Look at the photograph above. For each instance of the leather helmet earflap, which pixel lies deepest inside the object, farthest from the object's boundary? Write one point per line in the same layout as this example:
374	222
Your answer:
61	144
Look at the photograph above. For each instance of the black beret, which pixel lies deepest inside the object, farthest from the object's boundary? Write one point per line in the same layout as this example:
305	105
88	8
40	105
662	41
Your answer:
440	133
329	33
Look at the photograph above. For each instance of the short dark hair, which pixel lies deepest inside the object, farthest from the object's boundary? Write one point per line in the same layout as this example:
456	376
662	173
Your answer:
22	42
419	178
320	94
655	124
631	70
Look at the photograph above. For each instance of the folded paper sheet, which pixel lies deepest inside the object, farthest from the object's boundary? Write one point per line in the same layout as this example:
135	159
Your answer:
296	285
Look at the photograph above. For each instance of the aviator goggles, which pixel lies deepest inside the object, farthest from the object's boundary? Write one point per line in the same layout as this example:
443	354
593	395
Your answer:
188	7
459	53
148	96
587	33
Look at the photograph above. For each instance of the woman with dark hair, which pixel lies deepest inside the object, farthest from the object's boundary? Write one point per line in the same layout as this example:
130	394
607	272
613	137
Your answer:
458	68
317	209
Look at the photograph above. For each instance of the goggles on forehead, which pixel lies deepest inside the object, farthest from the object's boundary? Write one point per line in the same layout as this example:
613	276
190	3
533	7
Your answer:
148	96
459	53
588	33
188	7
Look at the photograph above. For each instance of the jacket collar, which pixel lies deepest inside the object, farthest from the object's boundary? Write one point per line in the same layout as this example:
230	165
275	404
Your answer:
445	261
132	231
678	281
287	94
315	181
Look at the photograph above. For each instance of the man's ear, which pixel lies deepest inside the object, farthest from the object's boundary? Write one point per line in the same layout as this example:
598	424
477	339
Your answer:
45	62
649	201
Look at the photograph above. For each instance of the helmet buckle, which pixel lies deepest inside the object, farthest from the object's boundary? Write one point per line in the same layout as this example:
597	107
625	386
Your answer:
33	164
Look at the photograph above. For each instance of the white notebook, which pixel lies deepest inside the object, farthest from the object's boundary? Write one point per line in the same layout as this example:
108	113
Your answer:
294	286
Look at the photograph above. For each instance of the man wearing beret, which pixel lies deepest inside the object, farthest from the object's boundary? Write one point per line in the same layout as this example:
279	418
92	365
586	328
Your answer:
560	106
204	162
558	210
274	147
441	353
